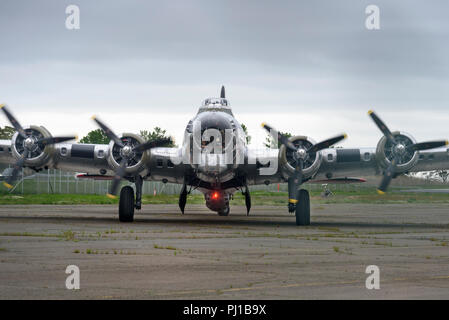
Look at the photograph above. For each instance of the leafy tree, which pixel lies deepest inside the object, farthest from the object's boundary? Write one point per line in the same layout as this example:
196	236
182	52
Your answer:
7	132
157	133
269	139
248	137
98	137
95	136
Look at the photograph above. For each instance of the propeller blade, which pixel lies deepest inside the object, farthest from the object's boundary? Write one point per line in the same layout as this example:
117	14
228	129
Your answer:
427	145
388	176
13	121
152	144
16	168
281	138
109	133
117	178
382	127
327	143
53	140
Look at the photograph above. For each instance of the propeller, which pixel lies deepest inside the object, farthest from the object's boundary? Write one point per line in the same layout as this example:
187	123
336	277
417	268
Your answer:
31	143
127	153
300	154
399	151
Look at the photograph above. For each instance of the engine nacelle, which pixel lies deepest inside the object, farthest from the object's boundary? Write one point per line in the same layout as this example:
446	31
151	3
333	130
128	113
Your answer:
38	155
312	161
385	152
137	160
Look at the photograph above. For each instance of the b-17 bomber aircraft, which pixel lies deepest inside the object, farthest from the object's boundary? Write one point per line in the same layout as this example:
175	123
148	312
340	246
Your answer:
216	160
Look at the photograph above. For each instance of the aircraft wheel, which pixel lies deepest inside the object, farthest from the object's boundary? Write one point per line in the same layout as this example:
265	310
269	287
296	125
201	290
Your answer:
224	212
126	205
303	208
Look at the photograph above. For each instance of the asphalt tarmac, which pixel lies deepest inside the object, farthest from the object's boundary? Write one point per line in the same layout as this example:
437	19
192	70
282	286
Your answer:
199	255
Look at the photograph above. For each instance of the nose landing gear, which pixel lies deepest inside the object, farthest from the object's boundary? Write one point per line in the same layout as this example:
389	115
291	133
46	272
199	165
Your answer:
224	212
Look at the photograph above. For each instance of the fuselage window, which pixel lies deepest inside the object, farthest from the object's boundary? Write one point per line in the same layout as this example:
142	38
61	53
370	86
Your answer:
330	157
159	163
170	164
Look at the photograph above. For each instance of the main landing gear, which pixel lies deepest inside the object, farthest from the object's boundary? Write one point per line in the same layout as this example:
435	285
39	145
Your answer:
127	203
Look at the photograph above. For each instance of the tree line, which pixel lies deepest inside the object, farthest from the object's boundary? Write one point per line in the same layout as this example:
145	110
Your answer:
98	137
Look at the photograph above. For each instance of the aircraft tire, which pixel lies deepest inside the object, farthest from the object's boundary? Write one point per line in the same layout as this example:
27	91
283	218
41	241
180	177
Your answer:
303	208
126	205
224	212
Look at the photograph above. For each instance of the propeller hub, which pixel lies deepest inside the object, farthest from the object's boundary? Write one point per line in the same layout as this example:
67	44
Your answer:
29	143
127	151
399	149
301	153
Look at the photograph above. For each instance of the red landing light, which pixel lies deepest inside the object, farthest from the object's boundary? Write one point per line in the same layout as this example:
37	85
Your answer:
215	195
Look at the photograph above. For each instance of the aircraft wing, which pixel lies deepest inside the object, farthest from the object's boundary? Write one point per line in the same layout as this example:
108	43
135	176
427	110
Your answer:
345	162
336	165
94	161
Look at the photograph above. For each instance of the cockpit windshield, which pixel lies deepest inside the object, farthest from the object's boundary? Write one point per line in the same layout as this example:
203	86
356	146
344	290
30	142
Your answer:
216	104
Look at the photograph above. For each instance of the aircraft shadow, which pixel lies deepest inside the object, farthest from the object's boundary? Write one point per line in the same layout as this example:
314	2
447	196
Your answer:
214	221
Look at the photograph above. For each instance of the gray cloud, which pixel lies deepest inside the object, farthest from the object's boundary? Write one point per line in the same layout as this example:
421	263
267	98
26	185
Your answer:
284	56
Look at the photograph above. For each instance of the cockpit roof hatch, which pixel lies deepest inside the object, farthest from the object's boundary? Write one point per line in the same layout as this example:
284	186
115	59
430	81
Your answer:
216	104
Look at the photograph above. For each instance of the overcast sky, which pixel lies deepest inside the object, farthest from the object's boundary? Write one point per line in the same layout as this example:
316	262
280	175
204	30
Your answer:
307	67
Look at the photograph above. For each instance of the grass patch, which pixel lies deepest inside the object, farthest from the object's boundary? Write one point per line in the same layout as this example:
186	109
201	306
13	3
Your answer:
162	247
385	244
29	234
68	235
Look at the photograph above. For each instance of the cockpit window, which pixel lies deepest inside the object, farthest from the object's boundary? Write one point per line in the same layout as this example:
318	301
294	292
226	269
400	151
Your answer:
216	104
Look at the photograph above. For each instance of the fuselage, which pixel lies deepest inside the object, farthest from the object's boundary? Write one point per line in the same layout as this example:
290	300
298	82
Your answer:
216	143
215	140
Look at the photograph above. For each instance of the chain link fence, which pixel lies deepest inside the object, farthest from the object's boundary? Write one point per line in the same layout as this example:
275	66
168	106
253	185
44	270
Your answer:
58	181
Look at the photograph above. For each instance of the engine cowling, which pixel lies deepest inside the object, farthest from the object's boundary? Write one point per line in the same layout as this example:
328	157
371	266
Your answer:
312	161
137	160
385	152
38	155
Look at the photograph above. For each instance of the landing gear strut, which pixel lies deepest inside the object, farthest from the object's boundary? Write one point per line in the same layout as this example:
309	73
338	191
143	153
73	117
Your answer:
183	198
302	210
139	183
126	205
247	200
